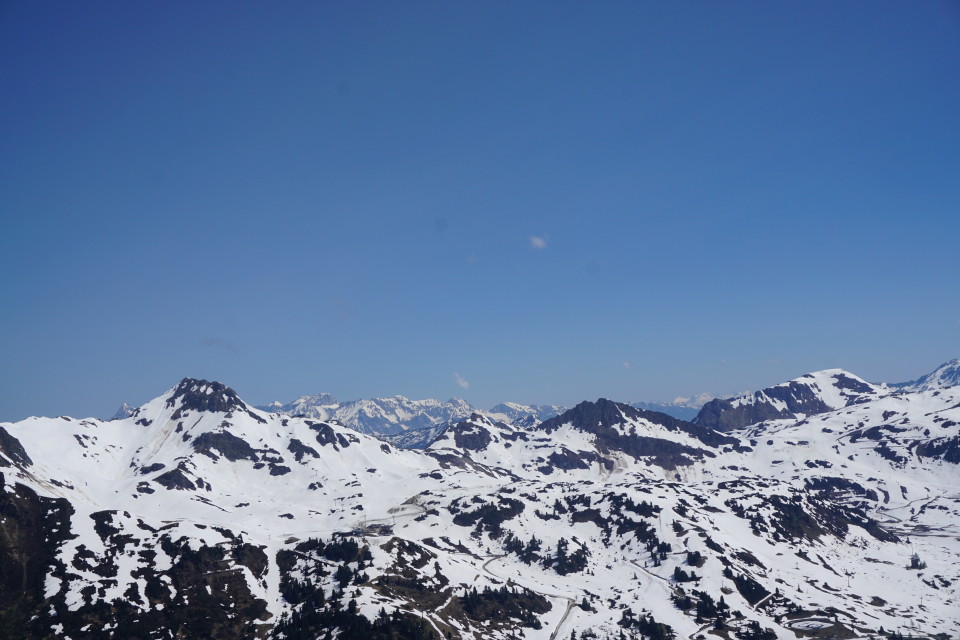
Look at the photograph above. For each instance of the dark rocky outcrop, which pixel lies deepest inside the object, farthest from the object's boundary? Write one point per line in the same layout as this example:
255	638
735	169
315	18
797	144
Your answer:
299	450
721	415
157	466
32	528
230	446
176	479
471	435
12	449
567	460
326	435
946	449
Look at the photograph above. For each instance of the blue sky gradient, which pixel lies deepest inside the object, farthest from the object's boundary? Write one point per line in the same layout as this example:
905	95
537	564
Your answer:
556	201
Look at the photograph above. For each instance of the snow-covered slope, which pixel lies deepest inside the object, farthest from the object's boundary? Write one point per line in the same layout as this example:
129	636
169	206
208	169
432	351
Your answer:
201	517
416	438
586	442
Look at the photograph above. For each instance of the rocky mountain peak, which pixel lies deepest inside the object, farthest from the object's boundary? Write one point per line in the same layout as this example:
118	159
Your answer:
200	395
124	412
592	416
944	376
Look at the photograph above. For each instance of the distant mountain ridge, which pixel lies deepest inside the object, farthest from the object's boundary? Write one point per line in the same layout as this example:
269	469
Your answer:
376	416
944	376
200	516
416	423
682	408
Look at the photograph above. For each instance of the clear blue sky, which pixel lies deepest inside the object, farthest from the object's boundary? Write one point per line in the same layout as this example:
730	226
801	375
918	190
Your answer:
369	198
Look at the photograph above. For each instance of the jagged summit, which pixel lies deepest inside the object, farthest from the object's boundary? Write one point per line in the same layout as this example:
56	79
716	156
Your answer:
200	395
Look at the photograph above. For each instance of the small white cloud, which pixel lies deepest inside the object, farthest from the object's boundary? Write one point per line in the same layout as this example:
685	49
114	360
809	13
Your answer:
538	242
680	400
626	364
463	384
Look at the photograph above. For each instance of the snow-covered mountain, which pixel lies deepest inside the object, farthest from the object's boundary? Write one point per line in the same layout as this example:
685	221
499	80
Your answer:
682	408
316	406
946	375
524	414
199	516
413	421
809	394
377	416
124	411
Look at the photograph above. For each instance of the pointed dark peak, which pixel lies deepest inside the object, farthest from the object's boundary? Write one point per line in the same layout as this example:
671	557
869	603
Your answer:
592	416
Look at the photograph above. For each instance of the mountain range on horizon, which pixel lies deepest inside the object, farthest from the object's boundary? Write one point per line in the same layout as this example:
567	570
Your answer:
834	512
395	416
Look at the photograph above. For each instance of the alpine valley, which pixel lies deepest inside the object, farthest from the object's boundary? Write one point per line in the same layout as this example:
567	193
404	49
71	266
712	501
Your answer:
824	507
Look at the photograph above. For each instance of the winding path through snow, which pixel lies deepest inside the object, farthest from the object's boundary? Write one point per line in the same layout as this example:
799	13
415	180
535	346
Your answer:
555	596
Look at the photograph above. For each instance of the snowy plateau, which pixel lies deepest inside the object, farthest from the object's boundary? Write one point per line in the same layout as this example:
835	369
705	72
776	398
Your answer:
824	507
